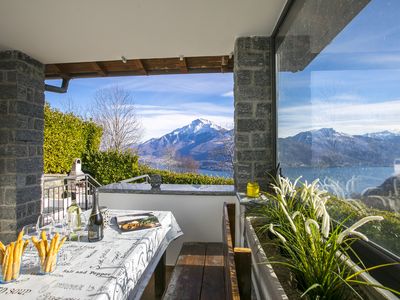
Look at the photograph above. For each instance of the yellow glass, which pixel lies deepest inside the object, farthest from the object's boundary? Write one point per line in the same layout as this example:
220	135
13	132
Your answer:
253	189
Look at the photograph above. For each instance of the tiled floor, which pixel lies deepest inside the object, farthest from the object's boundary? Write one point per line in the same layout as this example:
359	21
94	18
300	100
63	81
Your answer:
149	291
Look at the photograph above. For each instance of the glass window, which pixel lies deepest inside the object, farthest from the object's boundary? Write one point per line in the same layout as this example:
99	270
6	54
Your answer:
338	86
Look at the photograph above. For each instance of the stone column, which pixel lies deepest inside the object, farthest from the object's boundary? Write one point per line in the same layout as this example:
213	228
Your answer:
21	141
254	153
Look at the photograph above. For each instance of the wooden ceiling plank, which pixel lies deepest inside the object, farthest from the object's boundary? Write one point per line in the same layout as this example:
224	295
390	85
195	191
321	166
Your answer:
141	66
61	70
183	65
137	67
224	63
99	68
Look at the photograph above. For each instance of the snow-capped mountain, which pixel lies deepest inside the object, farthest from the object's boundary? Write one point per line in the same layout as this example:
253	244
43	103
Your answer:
201	140
326	147
212	146
383	134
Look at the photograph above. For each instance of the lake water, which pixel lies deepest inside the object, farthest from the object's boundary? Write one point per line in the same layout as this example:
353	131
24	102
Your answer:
344	180
226	174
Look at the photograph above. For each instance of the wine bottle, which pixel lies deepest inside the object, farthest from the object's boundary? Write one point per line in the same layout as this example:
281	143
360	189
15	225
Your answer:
95	223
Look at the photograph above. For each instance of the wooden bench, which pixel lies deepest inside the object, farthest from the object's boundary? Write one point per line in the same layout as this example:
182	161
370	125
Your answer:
212	270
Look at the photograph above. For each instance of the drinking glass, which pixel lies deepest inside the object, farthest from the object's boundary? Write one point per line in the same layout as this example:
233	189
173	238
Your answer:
30	231
29	258
75	233
11	266
46	223
82	230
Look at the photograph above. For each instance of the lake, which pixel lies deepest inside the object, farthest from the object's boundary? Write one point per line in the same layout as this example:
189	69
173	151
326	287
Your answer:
227	174
346	180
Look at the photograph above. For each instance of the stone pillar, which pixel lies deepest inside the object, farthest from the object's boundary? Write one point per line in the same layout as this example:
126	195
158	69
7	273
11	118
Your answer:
21	141
254	153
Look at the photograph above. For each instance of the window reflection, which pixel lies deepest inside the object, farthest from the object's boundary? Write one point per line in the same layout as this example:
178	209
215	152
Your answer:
338	85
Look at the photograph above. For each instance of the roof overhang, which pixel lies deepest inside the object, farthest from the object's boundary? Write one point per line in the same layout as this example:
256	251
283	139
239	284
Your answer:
134	67
154	33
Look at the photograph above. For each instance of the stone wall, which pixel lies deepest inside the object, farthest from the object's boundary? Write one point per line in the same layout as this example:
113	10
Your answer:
254	153
21	141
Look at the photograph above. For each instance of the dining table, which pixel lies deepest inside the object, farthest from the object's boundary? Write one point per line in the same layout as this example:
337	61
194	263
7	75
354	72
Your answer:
117	267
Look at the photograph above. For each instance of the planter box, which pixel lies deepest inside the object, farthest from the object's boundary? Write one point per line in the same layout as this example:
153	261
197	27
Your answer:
264	280
266	284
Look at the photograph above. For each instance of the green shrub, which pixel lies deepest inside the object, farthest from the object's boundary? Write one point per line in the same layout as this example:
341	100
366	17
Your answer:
300	226
113	166
110	166
185	178
66	137
385	233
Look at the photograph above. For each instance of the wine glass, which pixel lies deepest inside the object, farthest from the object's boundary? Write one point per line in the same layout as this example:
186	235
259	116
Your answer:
46	223
81	231
29	257
62	227
30	231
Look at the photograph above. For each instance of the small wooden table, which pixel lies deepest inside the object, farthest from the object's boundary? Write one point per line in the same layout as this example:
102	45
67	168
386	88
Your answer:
118	267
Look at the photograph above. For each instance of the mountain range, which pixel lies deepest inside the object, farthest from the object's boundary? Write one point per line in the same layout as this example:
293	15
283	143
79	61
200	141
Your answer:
211	146
326	147
202	140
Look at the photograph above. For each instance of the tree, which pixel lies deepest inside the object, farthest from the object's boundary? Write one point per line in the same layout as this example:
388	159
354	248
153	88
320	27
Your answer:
115	111
187	164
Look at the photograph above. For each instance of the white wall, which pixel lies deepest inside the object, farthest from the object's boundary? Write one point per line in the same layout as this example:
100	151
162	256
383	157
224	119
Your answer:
199	216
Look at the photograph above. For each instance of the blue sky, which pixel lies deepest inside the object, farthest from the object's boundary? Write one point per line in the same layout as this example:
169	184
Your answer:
354	84
164	102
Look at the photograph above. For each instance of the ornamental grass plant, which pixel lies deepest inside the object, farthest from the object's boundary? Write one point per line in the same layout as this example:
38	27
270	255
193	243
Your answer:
315	248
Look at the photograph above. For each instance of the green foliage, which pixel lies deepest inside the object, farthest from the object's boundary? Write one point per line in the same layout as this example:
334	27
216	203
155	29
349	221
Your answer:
185	178
113	166
92	133
386	233
298	218
110	166
66	137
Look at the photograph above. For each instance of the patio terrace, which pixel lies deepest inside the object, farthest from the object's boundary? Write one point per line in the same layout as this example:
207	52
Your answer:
45	39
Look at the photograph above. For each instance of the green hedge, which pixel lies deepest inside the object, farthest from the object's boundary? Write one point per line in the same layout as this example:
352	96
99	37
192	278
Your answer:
185	178
66	137
110	166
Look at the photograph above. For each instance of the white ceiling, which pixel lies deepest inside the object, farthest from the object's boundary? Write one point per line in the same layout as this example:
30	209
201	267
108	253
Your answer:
61	31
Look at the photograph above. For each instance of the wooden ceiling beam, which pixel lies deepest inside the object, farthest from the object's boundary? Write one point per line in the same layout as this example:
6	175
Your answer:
141	67
138	67
99	68
61	70
183	65
224	63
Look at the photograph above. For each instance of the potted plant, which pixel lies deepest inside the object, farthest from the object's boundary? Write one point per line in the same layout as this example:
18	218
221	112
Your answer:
302	240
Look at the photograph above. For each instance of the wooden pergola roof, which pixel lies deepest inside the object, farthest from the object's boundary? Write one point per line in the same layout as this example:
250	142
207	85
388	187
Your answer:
135	67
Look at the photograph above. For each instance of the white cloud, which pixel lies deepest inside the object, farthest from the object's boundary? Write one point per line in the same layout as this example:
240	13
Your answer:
157	125
352	118
159	120
212	84
227	94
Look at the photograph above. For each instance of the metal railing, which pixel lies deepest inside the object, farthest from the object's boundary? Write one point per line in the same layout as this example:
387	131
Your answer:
58	194
133	179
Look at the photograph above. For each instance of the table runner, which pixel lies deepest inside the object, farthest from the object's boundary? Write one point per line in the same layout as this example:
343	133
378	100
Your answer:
118	267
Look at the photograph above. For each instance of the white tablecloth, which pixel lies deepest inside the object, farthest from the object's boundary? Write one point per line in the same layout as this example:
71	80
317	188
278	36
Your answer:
118	267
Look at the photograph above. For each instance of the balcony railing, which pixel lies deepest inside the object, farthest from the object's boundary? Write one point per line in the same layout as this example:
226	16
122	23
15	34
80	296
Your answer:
58	194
